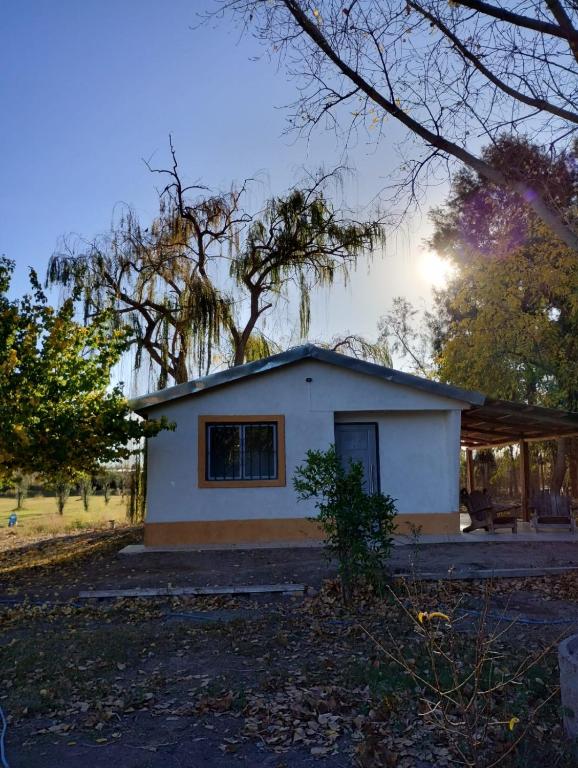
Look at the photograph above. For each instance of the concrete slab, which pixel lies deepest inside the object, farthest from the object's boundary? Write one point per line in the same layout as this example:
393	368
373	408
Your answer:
525	534
140	549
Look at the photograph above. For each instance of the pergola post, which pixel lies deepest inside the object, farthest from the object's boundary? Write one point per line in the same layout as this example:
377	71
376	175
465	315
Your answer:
525	479
470	484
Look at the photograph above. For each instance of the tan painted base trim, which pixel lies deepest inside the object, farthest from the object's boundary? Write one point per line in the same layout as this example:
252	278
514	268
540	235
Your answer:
267	530
230	531
432	523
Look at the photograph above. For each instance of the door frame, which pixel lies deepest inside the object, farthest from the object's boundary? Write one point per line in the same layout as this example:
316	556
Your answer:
365	424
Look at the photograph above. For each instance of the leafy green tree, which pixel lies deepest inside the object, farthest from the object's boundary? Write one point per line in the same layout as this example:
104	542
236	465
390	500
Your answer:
206	274
358	526
21	484
508	323
60	483
59	415
106	480
86	488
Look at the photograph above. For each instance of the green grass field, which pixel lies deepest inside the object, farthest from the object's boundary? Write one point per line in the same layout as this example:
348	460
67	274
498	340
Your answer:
40	517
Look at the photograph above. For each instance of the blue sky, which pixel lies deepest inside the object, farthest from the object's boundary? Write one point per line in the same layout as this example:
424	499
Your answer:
88	89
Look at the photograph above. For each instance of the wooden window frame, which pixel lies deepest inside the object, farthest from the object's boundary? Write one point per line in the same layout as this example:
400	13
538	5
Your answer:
202	455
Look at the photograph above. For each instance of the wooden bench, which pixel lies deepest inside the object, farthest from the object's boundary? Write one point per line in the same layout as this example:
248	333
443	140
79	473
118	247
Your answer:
552	510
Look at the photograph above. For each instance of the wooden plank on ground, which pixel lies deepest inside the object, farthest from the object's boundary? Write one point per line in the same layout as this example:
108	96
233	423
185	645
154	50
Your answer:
243	589
469	574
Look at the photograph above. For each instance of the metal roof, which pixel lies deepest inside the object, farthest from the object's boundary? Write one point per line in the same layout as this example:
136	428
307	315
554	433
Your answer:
305	352
499	422
487	423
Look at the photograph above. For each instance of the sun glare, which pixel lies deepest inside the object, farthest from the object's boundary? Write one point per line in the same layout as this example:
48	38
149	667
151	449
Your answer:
435	270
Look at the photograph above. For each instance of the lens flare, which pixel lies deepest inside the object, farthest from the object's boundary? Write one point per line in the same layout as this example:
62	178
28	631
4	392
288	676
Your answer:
435	270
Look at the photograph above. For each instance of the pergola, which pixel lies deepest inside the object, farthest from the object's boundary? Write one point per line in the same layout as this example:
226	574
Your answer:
498	423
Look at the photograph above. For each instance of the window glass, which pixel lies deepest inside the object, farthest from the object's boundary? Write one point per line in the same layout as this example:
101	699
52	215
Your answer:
224	448
241	451
260	455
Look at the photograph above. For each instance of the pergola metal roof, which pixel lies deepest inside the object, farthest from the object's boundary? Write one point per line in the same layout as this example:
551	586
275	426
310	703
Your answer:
499	422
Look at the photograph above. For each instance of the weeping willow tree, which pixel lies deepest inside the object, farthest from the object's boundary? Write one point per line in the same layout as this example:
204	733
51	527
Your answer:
202	278
357	346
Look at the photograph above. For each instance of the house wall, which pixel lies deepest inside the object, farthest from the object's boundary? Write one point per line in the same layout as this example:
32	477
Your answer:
418	445
419	463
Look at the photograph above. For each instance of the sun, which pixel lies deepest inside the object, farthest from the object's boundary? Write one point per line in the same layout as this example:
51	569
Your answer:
435	270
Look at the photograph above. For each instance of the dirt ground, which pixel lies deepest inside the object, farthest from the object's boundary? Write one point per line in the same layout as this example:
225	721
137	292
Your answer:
307	566
272	682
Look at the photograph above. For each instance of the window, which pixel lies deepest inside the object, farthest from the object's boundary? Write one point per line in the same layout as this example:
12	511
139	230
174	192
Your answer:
241	451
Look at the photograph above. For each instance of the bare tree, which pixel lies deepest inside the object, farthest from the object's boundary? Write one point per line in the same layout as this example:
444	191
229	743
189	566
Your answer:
205	273
401	332
454	73
358	346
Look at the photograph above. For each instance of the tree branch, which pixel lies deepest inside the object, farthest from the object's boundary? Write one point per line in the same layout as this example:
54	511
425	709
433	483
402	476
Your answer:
518	20
531	196
540	104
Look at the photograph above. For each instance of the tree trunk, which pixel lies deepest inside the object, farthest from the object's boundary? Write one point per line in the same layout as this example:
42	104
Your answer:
239	357
181	372
559	466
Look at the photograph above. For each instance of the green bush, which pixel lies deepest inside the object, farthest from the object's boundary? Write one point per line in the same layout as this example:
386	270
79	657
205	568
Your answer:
358	526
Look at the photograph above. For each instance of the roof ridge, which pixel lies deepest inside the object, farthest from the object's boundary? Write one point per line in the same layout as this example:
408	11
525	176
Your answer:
295	354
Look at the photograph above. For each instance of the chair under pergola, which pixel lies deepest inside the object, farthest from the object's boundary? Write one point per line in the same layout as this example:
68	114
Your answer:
499	423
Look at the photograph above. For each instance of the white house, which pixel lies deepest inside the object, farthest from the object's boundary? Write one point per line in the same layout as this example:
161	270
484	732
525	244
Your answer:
225	474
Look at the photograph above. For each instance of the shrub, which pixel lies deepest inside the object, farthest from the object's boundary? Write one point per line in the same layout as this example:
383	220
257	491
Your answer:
489	698
60	484
357	526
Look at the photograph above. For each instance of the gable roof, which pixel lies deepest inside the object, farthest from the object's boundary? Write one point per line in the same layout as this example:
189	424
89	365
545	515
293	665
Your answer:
304	352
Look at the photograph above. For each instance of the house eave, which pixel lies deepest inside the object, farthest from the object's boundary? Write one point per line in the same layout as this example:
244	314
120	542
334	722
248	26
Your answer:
196	387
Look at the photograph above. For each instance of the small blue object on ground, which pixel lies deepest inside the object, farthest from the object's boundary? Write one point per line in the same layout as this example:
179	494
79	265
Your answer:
12	520
3	759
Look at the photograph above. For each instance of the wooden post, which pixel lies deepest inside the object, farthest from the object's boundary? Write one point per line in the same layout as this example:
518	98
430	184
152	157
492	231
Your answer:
525	479
470	483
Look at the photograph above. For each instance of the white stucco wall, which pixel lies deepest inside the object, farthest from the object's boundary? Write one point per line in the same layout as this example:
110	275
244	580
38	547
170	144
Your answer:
418	442
419	457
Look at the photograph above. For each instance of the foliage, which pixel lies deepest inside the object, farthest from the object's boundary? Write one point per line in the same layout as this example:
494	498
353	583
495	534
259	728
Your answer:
136	499
59	416
437	70
358	526
21	484
61	484
507	324
204	276
400	332
86	488
467	691
106	479
361	348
